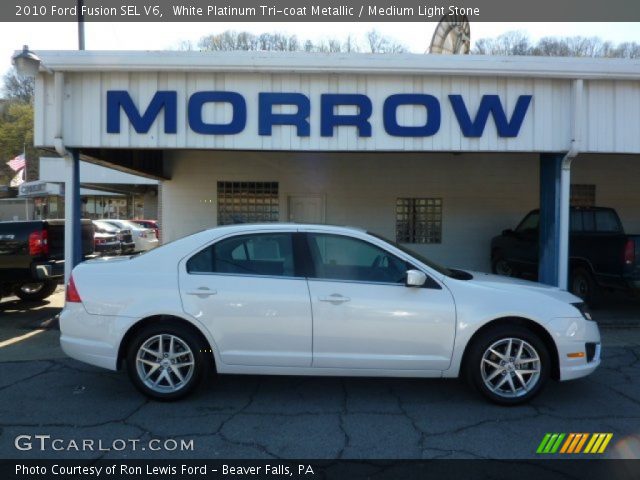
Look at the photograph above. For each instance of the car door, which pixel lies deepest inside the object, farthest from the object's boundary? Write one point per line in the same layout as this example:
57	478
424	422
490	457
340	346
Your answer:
247	291
365	317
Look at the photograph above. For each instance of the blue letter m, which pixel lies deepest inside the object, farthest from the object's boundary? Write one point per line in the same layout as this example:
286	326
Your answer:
163	99
490	104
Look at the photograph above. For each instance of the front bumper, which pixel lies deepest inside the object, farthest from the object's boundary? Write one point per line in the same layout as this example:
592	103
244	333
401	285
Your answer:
572	336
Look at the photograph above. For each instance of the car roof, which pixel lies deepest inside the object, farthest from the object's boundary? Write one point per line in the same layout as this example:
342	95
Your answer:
252	227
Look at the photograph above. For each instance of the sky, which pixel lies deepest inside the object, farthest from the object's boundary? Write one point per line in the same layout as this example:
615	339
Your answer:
160	36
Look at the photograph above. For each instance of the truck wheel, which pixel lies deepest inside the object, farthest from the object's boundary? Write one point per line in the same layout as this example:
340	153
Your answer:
500	266
508	364
583	285
35	291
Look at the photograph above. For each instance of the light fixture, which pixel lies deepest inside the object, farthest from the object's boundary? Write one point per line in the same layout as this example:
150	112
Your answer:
26	62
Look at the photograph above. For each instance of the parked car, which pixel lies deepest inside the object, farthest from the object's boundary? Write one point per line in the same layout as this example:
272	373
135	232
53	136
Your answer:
601	255
149	224
32	256
127	245
287	299
106	244
145	238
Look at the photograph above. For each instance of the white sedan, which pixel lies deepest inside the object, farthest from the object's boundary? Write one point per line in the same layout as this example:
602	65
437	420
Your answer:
285	299
144	238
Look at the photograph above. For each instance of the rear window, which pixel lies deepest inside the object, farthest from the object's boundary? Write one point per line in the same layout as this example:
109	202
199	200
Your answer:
605	221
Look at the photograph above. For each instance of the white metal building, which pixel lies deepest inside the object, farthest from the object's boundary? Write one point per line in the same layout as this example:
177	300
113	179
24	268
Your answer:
442	152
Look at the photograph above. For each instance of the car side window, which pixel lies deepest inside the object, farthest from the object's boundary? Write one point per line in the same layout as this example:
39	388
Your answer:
259	254
336	257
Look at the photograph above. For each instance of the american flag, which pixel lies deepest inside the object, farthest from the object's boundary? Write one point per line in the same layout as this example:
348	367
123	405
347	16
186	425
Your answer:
18	163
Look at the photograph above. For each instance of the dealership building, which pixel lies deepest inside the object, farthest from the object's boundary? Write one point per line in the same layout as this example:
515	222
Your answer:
438	152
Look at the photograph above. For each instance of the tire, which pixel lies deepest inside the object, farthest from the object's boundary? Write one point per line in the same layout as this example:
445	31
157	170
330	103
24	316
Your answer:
500	266
583	285
35	291
189	347
507	388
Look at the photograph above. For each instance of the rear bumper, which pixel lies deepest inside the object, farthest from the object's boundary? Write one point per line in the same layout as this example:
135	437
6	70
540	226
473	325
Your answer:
92	339
48	270
112	247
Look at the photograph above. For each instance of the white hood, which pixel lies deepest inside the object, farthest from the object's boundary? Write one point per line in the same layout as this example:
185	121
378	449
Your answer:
509	284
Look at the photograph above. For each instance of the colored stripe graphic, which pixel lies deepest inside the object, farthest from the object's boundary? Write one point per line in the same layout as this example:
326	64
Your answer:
574	442
598	443
543	443
550	443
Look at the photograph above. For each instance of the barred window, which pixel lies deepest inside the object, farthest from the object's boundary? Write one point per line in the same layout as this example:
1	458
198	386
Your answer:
419	220
583	195
247	202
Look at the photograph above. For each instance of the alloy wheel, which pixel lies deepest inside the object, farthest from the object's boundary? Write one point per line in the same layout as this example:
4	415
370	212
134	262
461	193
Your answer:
165	363
510	367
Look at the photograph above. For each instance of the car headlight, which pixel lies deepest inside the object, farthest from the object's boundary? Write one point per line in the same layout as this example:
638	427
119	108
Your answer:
584	310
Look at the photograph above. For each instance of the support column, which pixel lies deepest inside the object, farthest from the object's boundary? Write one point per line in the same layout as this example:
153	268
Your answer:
551	188
72	213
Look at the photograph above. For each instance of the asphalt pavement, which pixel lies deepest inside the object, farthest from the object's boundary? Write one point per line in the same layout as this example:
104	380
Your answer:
43	393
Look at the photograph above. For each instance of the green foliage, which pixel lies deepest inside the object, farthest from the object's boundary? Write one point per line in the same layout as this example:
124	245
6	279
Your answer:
16	132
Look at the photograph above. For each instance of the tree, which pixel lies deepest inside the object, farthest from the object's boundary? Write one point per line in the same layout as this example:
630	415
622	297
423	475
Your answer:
16	124
231	40
518	43
380	44
17	88
16	135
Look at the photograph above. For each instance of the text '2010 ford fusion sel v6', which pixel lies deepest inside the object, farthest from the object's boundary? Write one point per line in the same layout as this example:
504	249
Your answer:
283	299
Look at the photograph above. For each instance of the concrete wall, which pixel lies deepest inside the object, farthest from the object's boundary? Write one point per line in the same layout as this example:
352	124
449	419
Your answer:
482	193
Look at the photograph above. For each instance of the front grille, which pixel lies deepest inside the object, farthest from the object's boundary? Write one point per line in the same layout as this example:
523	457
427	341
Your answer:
591	351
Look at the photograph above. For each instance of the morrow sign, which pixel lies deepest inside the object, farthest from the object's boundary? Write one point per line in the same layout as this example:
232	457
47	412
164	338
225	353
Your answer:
472	124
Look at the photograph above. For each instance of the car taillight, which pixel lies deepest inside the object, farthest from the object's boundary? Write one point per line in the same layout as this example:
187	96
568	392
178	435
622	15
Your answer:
629	252
72	295
99	241
39	243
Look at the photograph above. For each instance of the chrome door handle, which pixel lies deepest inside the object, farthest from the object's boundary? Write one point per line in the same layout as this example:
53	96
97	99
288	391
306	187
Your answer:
202	292
335	298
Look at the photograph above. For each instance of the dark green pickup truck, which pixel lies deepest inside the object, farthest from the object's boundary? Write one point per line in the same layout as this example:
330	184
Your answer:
601	255
32	256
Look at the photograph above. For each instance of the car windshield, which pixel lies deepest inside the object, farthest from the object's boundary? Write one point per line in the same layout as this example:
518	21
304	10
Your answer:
429	263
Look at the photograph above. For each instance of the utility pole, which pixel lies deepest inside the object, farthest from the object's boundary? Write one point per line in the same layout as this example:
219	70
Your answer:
80	25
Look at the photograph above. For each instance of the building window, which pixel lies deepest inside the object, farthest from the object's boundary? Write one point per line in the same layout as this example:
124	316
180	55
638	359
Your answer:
247	202
583	195
419	220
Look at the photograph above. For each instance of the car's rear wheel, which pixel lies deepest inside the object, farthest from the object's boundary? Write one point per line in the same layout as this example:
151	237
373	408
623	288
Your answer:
509	365
35	291
167	361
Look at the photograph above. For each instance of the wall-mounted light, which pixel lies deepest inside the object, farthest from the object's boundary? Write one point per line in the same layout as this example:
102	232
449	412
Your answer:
27	63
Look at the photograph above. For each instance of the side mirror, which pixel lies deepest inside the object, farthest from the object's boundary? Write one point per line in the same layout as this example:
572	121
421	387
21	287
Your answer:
415	278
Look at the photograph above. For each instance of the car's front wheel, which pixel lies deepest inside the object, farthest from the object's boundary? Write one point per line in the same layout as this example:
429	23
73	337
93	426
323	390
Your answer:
167	361
509	365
